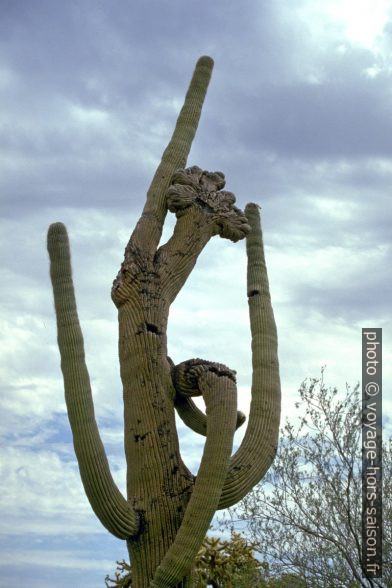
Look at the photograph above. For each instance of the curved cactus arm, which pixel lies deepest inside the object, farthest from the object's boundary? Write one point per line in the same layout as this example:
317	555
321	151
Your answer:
194	418
220	395
109	505
258	448
148	230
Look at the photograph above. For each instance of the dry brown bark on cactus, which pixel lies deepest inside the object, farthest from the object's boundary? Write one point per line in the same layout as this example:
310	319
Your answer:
167	510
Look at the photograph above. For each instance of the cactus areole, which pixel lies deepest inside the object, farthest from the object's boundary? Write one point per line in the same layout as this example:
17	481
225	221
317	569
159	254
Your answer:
167	511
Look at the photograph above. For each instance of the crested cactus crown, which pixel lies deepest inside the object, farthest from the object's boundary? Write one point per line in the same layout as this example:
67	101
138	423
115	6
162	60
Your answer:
194	187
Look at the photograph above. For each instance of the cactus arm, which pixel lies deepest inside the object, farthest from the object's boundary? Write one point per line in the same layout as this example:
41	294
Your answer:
191	415
203	209
194	418
179	255
219	393
258	448
109	505
148	230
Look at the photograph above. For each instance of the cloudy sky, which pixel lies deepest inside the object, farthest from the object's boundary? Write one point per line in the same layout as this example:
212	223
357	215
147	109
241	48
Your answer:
298	116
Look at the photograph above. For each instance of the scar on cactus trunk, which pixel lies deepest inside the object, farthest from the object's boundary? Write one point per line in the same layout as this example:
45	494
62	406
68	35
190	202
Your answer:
167	511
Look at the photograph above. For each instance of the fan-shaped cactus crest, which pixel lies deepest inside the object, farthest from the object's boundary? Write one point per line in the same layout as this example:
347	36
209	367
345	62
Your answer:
167	510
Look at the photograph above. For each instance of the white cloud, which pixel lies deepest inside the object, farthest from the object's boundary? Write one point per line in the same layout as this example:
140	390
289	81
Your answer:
57	559
42	493
363	21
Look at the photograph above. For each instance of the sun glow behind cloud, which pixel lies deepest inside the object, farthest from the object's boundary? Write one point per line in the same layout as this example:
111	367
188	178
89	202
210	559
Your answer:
362	21
345	23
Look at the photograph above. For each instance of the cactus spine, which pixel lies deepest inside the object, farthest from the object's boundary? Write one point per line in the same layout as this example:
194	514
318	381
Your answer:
167	511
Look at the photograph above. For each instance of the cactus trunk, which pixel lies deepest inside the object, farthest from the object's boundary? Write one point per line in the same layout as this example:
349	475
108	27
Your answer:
158	482
167	511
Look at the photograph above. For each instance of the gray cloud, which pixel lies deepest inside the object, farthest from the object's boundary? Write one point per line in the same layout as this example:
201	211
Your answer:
299	121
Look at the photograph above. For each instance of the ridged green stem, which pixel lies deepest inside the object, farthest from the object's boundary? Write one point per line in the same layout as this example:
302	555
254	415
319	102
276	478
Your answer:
109	505
220	396
258	447
148	230
194	418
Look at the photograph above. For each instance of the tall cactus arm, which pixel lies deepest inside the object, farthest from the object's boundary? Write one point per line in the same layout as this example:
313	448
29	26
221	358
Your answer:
220	395
148	230
109	505
258	448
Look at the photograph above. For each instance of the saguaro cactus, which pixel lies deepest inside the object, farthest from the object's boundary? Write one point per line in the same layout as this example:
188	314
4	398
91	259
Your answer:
168	510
